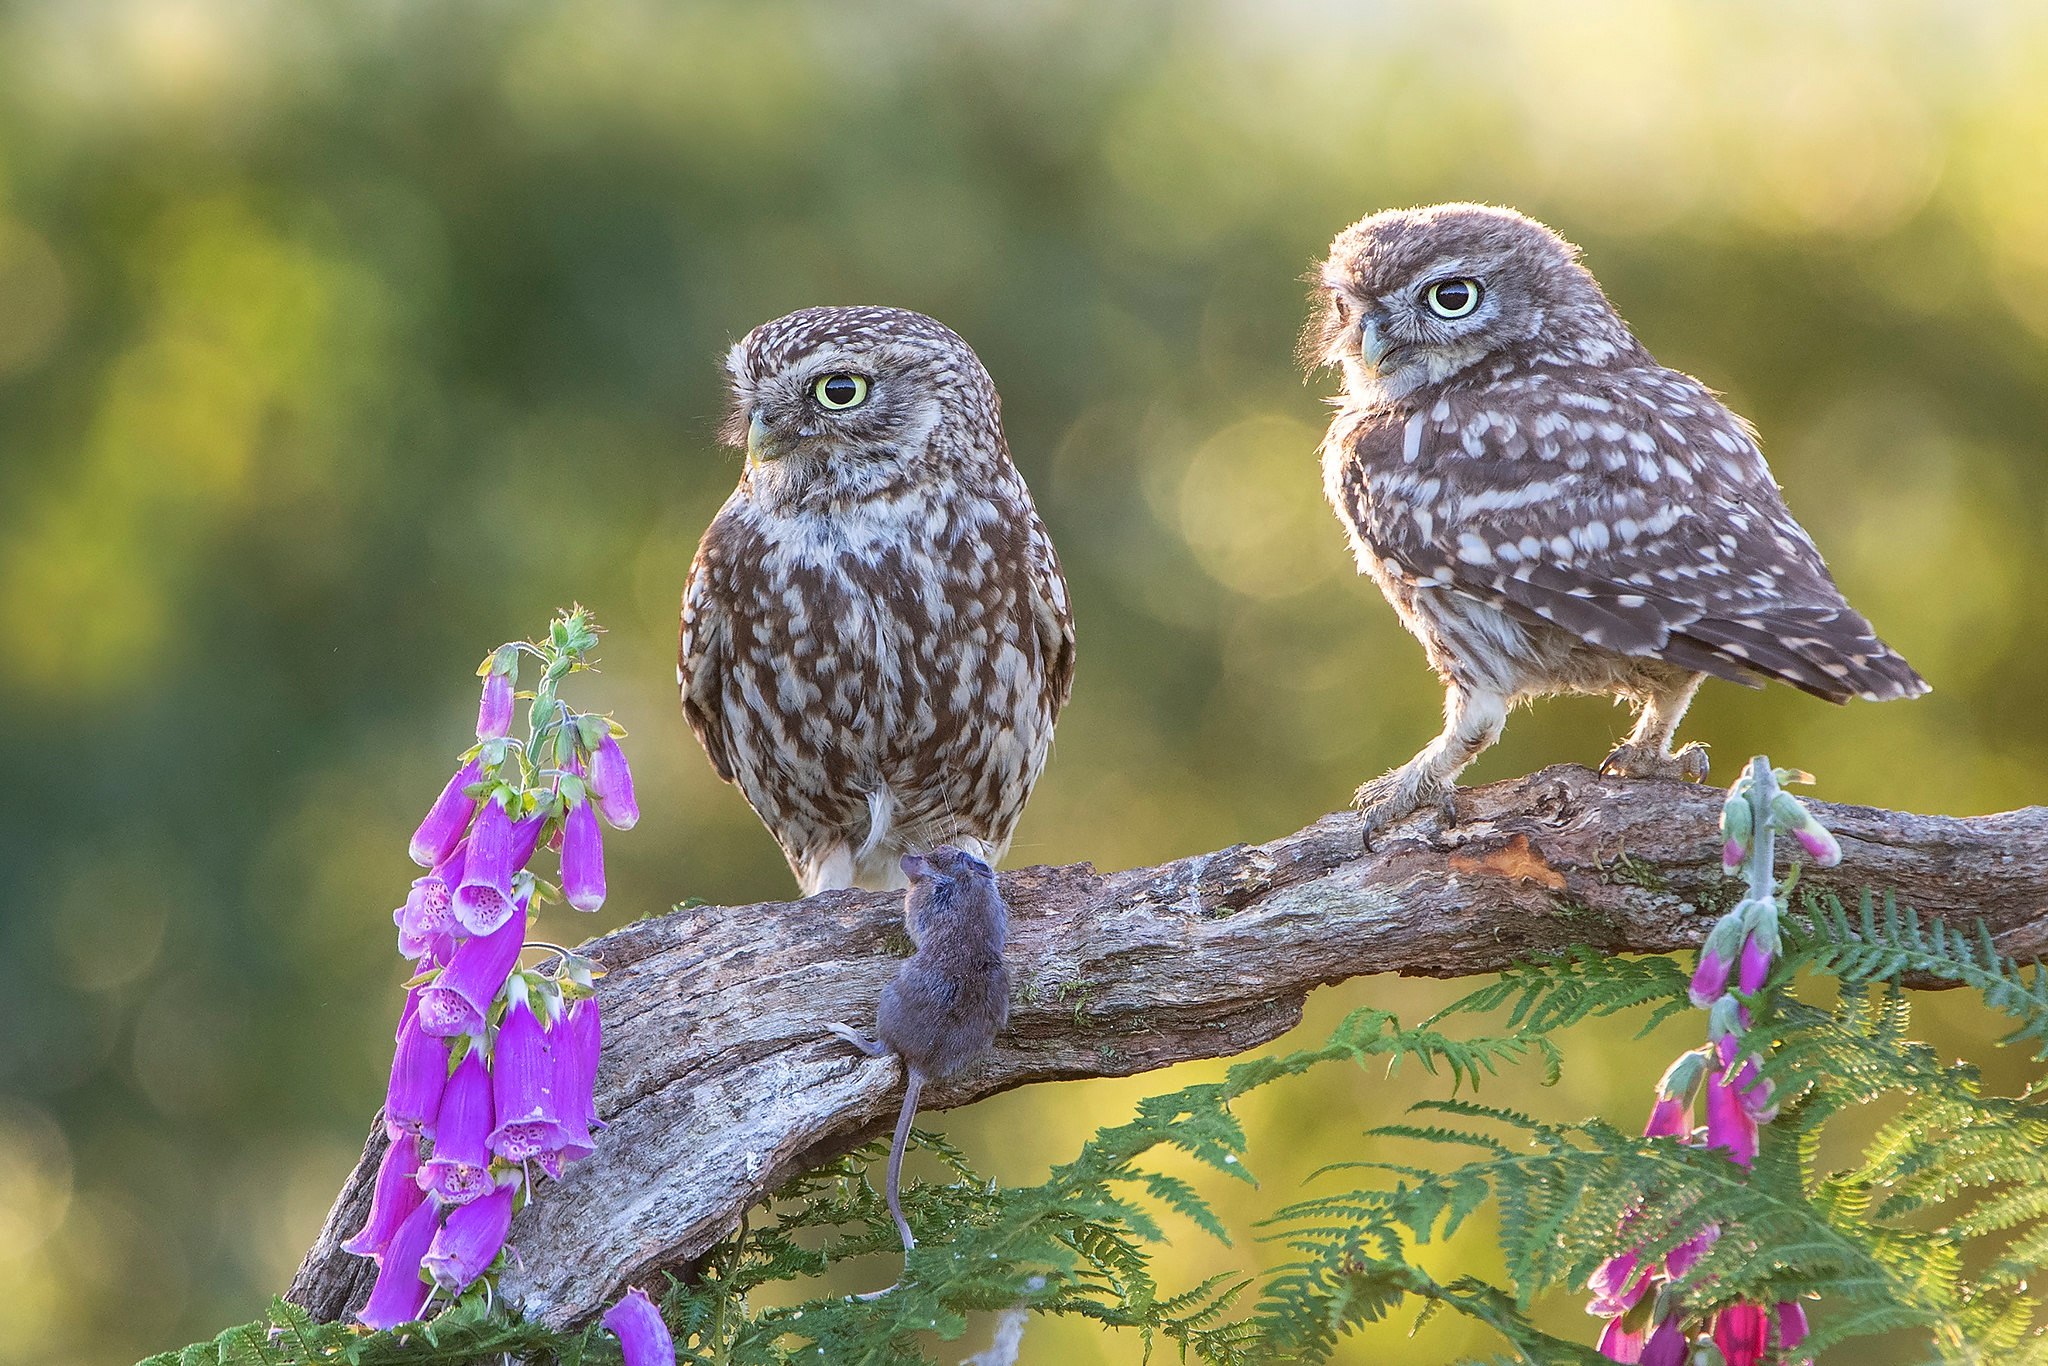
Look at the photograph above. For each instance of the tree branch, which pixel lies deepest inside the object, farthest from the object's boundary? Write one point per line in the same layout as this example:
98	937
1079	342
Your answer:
720	1084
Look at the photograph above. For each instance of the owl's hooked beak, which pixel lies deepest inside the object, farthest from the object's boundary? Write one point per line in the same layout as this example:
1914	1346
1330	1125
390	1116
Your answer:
1371	345
759	447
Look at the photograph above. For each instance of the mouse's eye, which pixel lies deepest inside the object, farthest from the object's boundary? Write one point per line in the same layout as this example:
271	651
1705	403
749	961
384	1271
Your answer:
839	392
1452	299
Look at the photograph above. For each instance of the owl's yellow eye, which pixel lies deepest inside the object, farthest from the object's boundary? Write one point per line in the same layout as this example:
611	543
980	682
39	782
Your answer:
840	391
1452	298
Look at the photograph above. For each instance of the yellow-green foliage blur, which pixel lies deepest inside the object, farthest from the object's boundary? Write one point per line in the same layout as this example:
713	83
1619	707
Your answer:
317	319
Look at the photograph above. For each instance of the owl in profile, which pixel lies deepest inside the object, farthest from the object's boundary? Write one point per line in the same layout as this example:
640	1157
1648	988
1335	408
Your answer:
1547	508
876	639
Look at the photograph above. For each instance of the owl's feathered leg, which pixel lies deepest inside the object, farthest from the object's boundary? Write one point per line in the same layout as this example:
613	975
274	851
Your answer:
1647	751
1473	720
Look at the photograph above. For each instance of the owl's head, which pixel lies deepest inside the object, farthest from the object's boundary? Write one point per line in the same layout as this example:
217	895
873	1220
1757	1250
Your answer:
850	403
1411	297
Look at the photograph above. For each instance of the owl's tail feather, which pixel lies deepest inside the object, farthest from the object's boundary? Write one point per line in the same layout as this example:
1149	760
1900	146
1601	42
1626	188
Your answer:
1828	652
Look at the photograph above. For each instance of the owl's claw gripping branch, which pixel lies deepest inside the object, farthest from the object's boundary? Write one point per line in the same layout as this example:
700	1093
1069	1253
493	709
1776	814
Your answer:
717	1091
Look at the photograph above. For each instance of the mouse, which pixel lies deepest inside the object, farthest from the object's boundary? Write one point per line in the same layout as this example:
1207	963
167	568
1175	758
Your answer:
950	998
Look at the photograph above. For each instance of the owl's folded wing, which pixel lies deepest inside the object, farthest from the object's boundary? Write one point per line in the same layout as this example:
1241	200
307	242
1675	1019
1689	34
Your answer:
1645	549
700	666
1052	617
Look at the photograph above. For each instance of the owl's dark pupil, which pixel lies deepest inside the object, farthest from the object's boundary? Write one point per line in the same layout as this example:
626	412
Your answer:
1453	296
841	389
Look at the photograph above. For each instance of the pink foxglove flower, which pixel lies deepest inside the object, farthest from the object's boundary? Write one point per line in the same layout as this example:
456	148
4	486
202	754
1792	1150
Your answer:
582	856
612	781
399	1293
393	1199
483	899
1729	1124
579	1039
469	1239
419	1073
643	1337
1791	1321
459	1000
447	818
1739	1331
1667	1345
523	1084
459	1170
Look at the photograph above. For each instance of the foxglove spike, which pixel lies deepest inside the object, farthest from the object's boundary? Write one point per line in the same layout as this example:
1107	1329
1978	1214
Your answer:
612	781
393	1199
447	818
582	857
459	1170
643	1337
399	1293
459	1000
469	1240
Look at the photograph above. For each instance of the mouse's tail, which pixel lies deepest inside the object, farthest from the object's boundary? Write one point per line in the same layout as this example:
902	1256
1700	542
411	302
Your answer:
912	1085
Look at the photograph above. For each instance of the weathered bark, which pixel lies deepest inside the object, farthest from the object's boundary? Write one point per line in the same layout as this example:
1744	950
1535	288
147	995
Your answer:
719	1082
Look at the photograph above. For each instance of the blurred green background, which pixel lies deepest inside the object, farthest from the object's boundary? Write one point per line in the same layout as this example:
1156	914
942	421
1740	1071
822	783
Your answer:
340	342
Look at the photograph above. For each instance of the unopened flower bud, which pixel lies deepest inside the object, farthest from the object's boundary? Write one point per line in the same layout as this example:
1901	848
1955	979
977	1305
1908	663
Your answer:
1717	960
612	781
1789	814
582	856
1736	821
447	818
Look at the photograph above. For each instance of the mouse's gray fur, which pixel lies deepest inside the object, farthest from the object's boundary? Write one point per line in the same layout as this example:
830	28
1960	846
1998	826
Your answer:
951	997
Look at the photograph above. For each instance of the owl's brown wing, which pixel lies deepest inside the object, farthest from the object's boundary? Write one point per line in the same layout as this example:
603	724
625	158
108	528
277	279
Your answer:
1636	513
1052	618
701	659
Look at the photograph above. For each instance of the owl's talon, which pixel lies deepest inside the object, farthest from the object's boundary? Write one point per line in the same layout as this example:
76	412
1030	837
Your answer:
1687	764
1401	793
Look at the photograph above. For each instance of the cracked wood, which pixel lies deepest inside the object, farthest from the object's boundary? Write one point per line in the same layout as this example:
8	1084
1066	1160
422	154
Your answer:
719	1083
